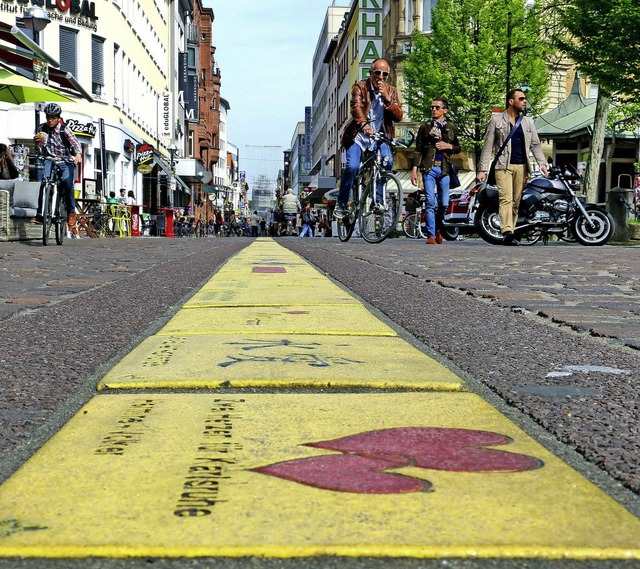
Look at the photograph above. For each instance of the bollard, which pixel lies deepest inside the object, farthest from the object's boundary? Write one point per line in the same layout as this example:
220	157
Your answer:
619	201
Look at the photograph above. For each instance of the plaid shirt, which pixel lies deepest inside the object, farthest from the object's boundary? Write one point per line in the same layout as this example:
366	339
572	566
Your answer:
55	144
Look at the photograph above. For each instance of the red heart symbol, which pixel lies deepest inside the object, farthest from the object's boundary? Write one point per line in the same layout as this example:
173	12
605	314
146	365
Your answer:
367	455
347	473
456	450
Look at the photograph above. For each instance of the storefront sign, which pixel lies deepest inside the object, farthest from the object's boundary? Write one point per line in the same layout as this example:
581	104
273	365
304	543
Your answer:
164	120
188	86
307	138
144	158
370	34
80	129
77	8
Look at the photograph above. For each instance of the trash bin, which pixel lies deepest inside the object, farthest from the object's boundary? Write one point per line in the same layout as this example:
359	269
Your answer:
168	216
619	203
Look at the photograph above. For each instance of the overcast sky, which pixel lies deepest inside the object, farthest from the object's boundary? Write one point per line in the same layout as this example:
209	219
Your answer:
264	50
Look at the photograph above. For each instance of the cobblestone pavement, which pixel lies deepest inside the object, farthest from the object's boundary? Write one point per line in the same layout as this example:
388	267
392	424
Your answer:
595	290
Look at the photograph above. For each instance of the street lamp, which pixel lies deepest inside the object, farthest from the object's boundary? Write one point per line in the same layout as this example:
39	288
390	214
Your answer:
36	19
200	176
173	149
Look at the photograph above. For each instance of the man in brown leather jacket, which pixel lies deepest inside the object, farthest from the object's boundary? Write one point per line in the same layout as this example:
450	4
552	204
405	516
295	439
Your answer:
374	107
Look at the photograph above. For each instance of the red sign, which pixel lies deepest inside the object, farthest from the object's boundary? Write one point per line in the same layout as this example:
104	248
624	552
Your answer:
144	158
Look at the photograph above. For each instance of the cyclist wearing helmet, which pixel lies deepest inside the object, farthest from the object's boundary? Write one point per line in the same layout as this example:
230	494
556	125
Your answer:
55	139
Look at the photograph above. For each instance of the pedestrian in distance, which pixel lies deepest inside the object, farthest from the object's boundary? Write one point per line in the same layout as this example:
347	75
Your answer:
308	221
54	138
255	224
512	166
375	106
290	208
8	170
437	140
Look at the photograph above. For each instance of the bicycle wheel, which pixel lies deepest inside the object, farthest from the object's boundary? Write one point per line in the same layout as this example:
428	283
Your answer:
379	218
410	226
347	224
61	222
47	212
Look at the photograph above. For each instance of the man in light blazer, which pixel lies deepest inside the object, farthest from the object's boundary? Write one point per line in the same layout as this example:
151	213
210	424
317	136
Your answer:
513	166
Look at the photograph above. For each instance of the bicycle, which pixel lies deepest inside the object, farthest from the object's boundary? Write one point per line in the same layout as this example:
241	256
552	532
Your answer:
53	208
376	211
413	224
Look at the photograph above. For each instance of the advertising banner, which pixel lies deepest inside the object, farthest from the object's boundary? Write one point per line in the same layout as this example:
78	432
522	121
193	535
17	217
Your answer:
165	118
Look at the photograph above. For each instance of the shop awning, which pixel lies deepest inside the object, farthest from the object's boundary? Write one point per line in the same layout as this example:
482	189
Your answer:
21	59
193	171
13	35
166	168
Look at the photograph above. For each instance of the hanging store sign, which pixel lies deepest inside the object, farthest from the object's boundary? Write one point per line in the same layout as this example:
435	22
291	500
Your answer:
144	158
82	129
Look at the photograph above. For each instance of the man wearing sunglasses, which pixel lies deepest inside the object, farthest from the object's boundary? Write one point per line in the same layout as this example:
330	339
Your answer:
512	167
436	141
374	107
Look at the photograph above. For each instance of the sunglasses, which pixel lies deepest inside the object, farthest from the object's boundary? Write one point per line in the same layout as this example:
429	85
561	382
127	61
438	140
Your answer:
377	73
435	107
522	98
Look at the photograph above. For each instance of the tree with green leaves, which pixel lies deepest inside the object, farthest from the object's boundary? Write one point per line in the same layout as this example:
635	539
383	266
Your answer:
465	60
601	37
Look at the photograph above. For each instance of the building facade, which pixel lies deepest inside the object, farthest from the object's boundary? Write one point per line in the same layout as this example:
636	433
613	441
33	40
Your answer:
140	90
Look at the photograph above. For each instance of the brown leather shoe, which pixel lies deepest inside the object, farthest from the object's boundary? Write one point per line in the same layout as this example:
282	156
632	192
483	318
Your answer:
430	241
438	238
71	219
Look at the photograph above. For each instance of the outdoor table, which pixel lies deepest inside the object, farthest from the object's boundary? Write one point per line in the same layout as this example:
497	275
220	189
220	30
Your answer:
86	211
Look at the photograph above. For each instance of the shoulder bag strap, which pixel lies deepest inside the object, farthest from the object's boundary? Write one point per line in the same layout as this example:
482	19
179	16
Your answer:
506	140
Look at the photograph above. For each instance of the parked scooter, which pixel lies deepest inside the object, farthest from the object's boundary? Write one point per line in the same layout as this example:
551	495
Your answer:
549	206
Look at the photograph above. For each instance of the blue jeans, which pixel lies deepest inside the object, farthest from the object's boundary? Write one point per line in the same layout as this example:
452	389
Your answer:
68	175
354	154
431	179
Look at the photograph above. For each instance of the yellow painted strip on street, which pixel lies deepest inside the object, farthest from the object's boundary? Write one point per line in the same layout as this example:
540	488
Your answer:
348	320
281	475
210	361
251	293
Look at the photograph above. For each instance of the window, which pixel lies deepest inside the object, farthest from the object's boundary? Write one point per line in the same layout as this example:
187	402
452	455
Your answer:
69	51
112	158
408	17
191	144
427	9
97	66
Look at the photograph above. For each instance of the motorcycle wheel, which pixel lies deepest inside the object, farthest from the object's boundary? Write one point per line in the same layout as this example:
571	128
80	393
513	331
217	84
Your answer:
450	233
596	230
488	224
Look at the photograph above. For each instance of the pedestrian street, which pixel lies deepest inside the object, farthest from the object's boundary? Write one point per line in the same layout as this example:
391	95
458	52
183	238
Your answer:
341	438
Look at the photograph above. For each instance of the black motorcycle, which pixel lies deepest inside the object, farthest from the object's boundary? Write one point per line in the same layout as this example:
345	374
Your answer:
549	206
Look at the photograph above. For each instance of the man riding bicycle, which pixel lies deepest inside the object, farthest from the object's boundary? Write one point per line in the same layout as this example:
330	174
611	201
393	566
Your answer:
374	108
56	140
